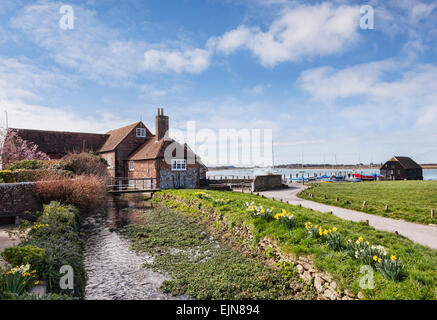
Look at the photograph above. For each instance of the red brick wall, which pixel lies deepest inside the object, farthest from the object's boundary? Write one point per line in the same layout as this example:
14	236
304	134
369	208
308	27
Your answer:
125	148
17	198
110	158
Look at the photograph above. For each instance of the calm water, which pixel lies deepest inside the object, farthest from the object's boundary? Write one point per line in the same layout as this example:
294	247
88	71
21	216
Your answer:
428	174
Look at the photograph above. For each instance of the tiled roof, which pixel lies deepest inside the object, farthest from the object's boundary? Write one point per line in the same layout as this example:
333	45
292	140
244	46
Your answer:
61	142
153	149
117	136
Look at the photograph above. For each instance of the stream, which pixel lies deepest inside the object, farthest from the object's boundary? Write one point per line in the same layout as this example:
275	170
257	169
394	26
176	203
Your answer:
114	271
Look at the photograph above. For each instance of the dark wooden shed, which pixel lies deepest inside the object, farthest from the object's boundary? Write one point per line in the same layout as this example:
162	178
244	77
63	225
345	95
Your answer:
401	168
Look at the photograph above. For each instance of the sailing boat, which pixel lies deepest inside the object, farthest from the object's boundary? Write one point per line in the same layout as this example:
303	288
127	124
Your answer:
271	170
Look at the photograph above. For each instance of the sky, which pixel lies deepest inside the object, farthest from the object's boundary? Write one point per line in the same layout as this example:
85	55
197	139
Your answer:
330	89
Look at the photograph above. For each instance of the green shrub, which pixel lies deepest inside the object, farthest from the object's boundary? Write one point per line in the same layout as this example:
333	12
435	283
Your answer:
56	231
26	164
22	255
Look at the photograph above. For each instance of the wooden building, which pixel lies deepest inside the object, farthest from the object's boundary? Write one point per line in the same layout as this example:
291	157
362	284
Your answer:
402	168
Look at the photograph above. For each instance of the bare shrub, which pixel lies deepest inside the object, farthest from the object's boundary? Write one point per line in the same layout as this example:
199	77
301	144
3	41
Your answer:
84	192
86	164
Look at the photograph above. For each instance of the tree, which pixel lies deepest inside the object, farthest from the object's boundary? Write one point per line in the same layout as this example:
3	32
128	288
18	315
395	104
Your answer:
14	148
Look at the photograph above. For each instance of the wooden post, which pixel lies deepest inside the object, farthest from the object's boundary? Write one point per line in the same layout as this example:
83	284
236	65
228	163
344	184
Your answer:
336	199
364	204
432	213
386	207
367	222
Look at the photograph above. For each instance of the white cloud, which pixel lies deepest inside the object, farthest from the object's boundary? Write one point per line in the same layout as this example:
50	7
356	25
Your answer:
299	33
90	48
257	90
190	61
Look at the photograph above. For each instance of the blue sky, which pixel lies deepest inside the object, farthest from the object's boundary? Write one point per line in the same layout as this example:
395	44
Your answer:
305	69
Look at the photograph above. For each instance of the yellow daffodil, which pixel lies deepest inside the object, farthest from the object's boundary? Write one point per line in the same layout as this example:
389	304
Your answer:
334	229
375	258
393	258
360	239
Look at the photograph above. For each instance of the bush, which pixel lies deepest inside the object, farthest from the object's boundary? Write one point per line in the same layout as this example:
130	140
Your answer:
56	233
86	164
22	255
26	164
84	192
26	175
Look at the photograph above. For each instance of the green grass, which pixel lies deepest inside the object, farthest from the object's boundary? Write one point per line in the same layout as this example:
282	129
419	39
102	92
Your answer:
420	262
407	200
203	267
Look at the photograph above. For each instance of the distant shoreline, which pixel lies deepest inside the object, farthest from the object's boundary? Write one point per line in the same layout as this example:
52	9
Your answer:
316	167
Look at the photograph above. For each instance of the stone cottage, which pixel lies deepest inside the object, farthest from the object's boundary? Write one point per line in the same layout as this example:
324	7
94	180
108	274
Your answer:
132	152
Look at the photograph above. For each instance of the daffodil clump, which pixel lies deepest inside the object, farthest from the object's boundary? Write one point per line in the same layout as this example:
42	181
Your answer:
39	226
259	211
202	195
373	255
286	218
17	280
222	201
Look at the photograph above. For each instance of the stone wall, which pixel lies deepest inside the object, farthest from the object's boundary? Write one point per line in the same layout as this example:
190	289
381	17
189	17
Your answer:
17	198
267	182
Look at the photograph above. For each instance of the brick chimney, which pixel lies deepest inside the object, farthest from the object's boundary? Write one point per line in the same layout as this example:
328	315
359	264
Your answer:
161	124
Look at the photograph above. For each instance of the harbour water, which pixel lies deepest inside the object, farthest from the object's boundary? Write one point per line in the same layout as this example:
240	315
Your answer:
428	174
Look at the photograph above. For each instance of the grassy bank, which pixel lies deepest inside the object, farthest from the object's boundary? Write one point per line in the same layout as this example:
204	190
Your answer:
407	200
204	267
419	279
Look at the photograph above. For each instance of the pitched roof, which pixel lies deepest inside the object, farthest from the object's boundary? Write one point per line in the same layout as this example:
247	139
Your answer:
153	149
118	135
406	162
62	142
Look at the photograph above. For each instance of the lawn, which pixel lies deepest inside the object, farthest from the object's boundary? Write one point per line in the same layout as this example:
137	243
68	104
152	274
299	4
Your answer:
419	279
407	200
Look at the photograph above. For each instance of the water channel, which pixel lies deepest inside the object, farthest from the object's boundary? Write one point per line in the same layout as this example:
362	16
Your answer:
114	271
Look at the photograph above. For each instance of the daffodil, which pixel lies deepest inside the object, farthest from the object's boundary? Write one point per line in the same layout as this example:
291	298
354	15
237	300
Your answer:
393	258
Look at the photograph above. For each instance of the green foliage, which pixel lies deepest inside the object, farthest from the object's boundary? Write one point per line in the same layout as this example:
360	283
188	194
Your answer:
390	268
22	255
17	280
419	263
406	200
28	175
202	267
26	164
56	233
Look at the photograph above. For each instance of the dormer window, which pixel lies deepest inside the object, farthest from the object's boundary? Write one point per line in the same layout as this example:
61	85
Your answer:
178	164
141	132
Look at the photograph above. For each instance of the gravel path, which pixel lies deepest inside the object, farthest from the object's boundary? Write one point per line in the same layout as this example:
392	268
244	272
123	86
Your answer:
114	271
422	234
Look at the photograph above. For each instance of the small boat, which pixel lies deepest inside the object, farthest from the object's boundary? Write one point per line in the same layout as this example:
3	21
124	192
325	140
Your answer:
367	177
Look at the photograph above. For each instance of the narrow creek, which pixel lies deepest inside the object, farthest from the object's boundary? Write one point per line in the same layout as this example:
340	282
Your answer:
114	271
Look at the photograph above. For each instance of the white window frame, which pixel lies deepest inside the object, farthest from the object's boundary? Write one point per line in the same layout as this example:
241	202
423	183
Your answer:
131	166
109	163
178	165
141	132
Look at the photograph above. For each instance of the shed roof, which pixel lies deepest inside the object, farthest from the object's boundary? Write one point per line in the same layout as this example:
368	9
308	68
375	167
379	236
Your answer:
405	162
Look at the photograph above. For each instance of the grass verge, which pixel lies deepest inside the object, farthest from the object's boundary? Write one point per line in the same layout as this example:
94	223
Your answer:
407	200
420	263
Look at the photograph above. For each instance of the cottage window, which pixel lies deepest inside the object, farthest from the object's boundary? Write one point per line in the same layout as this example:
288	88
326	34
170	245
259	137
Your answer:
109	163
178	164
131	166
141	132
